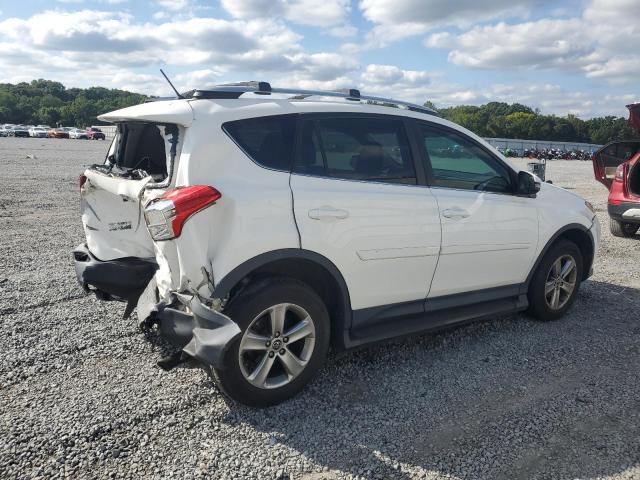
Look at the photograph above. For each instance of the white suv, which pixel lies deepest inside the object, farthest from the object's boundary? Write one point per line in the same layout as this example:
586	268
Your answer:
256	227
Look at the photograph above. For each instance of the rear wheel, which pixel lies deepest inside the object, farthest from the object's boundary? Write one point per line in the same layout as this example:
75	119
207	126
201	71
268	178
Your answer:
284	342
622	229
555	284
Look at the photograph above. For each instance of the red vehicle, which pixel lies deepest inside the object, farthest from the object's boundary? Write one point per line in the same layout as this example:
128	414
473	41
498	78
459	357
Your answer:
57	133
617	166
95	133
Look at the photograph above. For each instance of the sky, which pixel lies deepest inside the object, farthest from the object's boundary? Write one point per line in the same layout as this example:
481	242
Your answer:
563	56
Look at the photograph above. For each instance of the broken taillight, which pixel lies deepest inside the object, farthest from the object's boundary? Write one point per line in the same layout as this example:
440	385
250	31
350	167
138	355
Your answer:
166	215
620	173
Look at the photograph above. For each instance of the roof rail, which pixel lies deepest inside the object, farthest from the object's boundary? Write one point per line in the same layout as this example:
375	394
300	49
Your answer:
235	90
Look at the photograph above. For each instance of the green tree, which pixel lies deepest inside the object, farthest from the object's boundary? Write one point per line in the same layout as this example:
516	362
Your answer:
498	119
49	102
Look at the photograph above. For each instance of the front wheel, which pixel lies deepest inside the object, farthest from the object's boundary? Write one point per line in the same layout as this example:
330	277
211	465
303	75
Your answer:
284	342
622	229
555	283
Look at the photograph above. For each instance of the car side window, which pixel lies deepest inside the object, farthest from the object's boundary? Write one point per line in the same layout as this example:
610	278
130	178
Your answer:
267	140
356	148
457	162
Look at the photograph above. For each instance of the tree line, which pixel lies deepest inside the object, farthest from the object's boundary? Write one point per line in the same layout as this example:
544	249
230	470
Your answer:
50	103
503	120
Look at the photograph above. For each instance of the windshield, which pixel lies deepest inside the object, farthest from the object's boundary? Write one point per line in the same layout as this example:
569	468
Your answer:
141	149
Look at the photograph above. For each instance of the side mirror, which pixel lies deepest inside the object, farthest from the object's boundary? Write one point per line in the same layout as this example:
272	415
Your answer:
528	185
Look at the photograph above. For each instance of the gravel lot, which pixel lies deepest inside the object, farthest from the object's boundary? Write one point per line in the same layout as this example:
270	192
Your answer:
81	395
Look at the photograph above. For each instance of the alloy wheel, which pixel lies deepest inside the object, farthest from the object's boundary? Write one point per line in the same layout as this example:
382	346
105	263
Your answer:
277	346
560	282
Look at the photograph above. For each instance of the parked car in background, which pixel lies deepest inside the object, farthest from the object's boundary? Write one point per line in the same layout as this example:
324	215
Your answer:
38	132
58	133
78	134
276	227
19	131
617	167
95	133
4	131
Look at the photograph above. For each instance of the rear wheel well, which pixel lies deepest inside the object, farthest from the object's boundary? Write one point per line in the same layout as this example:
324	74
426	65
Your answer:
583	240
317	277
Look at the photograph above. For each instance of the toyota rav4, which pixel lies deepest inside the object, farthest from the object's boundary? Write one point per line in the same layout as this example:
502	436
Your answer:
256	227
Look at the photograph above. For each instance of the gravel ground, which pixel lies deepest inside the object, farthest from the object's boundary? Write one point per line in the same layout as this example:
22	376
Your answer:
81	396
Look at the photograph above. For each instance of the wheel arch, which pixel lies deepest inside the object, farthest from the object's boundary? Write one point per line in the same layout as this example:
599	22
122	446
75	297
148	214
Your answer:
576	233
311	268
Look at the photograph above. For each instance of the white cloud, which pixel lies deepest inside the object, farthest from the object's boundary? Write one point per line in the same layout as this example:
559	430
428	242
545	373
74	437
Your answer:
317	13
174	5
112	49
420	86
602	43
106	2
86	38
441	12
510	46
392	75
59	44
397	19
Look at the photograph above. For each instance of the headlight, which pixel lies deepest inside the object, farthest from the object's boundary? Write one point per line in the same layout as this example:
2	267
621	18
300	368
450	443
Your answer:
590	207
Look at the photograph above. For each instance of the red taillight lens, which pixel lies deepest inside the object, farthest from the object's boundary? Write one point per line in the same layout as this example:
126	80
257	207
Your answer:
620	173
165	216
81	181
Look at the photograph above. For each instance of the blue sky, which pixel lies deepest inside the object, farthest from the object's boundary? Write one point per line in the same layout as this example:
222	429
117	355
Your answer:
572	56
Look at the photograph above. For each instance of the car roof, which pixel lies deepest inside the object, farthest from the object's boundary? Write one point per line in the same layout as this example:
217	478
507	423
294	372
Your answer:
237	90
175	111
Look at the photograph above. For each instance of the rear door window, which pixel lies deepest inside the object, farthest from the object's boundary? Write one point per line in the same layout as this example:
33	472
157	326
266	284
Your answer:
268	141
356	148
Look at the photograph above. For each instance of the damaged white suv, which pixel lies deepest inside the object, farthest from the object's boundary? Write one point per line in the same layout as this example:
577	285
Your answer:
256	227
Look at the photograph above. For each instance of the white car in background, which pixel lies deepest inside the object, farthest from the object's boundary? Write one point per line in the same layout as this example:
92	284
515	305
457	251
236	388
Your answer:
78	133
38	132
255	227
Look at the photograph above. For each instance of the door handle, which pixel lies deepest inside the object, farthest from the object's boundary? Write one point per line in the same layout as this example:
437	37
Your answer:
328	213
455	213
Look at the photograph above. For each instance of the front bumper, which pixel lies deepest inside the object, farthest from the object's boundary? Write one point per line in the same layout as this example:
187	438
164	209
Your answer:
188	324
628	212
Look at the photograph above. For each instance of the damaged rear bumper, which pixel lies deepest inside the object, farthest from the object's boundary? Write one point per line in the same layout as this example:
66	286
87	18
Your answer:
121	279
199	331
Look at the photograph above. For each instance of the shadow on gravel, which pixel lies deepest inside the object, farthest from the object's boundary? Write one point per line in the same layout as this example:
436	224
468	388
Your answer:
506	398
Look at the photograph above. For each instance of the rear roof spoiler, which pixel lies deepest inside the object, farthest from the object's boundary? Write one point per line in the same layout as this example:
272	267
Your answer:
170	111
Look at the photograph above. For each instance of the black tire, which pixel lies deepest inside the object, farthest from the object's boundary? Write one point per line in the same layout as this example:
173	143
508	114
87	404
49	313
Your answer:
243	310
622	229
538	306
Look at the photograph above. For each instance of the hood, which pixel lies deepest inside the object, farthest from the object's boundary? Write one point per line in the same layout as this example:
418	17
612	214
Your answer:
634	116
170	111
